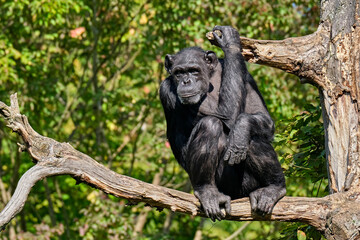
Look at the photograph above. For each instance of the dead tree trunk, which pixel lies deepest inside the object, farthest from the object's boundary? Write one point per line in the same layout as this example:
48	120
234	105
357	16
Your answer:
339	99
328	59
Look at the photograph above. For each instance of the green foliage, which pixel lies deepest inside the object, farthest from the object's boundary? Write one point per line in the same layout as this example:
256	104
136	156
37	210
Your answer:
88	73
300	145
306	132
301	232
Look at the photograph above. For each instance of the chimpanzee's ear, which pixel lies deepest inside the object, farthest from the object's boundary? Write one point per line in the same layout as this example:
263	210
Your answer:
211	59
169	60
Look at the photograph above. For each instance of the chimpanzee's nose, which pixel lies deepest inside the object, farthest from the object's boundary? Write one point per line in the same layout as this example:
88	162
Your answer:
186	81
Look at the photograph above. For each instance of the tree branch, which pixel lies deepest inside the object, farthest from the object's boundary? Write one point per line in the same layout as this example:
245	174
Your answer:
26	182
301	56
54	158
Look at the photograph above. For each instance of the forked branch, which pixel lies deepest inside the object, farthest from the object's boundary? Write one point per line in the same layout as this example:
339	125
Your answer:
301	56
54	158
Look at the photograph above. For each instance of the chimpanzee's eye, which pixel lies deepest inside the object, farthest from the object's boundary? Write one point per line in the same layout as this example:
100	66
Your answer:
194	71
177	74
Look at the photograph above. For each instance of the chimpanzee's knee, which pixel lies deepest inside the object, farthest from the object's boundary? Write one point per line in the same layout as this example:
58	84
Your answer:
207	141
211	126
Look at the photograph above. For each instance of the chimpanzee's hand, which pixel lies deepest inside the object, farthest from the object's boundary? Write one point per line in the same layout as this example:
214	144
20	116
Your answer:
230	38
237	149
212	200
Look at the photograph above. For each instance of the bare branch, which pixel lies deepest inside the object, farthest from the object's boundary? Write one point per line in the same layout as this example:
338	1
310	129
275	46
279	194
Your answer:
54	158
300	56
26	182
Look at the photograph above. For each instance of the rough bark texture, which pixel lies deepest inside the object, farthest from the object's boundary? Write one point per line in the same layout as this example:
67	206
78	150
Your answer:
341	94
291	55
328	59
339	99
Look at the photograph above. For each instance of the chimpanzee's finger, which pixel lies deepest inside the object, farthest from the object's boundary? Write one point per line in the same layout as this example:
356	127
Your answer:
227	155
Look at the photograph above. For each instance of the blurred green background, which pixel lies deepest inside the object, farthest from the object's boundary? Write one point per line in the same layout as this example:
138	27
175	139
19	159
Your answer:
88	73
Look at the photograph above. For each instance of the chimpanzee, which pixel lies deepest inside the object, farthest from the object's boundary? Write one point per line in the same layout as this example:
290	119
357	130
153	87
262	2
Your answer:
219	128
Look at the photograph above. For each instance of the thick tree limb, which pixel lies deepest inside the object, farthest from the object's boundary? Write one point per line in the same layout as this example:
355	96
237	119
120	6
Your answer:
301	56
54	158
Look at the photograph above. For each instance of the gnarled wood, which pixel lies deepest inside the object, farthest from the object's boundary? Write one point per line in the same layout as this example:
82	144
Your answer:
340	97
300	56
26	182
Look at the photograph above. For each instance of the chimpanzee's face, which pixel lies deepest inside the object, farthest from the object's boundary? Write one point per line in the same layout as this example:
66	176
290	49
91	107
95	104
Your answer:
191	70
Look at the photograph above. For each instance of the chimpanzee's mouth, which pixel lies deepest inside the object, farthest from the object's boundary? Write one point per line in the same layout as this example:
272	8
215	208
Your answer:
190	98
189	95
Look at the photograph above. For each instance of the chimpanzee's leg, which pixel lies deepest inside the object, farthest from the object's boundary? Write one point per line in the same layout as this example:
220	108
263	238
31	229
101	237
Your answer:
263	163
246	127
205	147
250	140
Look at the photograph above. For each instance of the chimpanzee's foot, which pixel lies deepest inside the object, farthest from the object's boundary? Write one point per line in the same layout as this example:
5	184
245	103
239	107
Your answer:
264	199
212	200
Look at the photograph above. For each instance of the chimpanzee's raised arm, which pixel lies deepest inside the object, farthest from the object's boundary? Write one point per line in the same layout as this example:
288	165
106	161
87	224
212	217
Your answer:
239	98
232	91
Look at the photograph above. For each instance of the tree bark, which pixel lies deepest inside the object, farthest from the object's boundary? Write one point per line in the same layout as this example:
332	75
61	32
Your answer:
340	96
330	60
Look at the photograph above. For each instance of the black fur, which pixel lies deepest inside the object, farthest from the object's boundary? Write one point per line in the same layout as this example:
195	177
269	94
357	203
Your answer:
219	128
